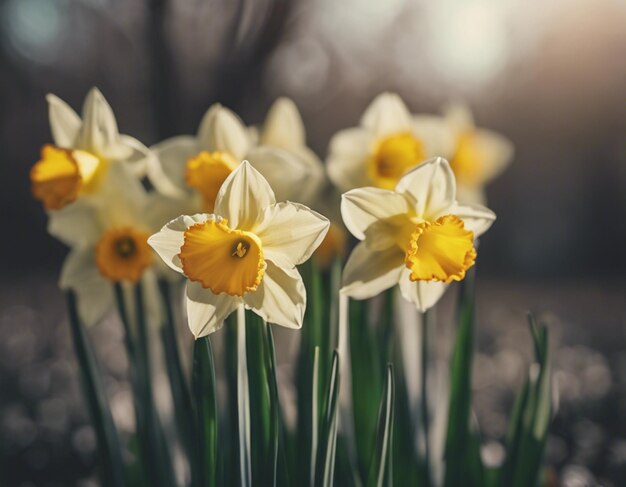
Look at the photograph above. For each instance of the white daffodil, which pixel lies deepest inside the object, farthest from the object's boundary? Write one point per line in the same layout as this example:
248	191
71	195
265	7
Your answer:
283	128
108	245
242	255
198	165
388	143
416	236
479	155
83	151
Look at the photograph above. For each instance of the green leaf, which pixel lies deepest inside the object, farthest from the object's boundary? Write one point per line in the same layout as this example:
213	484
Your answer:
109	447
183	407
366	382
243	403
325	467
380	470
203	376
458	435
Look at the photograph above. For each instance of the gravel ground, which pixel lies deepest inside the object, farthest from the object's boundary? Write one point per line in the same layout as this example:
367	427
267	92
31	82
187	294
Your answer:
46	439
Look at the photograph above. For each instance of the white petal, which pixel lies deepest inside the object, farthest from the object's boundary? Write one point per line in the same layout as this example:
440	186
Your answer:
471	195
386	115
290	233
168	241
243	197
363	206
431	186
497	153
75	224
121	198
476	218
424	294
173	154
159	179
368	273
64	122
132	153
99	132
222	130
437	136
93	292
206	311
459	117
347	158
285	172
280	298
283	126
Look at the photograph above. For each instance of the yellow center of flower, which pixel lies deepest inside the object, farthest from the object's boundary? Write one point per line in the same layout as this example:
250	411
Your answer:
62	174
206	172
440	251
222	259
467	162
122	254
392	157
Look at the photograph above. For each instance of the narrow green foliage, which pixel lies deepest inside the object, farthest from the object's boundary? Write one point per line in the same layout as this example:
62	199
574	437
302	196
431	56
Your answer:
381	464
366	383
183	408
204	471
408	471
458	434
325	467
530	420
262	444
109	448
243	403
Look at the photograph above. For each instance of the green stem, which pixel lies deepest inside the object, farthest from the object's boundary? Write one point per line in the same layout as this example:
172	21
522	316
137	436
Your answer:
180	392
426	318
243	401
109	448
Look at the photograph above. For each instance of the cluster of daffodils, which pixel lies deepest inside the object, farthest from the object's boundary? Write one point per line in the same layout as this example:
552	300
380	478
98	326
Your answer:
207	204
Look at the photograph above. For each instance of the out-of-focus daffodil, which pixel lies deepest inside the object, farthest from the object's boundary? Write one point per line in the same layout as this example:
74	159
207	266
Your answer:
242	255
479	154
388	143
198	165
417	236
109	244
84	149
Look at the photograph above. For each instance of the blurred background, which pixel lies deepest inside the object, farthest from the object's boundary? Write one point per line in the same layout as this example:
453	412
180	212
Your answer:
551	76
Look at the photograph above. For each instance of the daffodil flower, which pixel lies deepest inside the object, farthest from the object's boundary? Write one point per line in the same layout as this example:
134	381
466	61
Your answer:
244	254
479	154
83	151
108	245
417	236
388	143
198	165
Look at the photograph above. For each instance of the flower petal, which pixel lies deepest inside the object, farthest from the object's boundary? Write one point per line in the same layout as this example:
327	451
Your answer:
363	206
431	187
206	311
459	117
222	130
476	218
347	156
280	298
99	133
369	273
497	153
243	197
168	241
436	135
386	115
283	126
286	172
173	154
75	224
290	233
424	294
94	293
64	122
